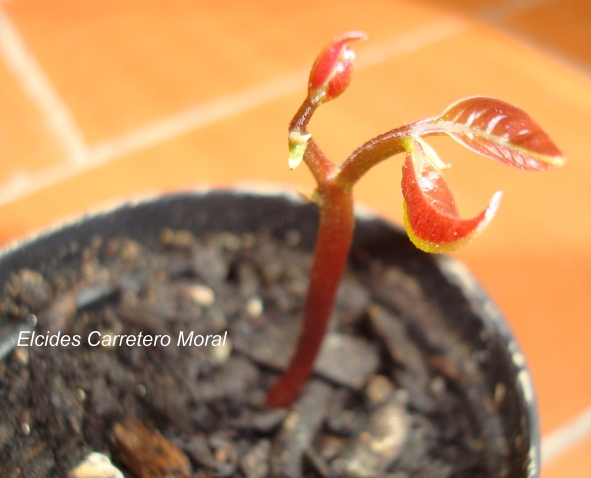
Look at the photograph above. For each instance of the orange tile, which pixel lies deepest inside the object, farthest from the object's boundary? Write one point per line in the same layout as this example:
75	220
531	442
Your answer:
118	64
574	463
561	27
471	7
26	142
545	297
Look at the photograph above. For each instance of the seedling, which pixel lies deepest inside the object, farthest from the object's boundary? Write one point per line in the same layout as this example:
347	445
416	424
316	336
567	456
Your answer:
487	126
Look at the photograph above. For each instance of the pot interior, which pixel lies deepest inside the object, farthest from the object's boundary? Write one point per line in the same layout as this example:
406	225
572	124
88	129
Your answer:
480	347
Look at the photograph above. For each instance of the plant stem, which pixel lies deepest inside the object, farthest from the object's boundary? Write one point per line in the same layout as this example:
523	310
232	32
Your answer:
375	151
335	235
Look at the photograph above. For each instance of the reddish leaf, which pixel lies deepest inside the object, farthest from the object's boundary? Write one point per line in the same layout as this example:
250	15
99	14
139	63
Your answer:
431	216
499	131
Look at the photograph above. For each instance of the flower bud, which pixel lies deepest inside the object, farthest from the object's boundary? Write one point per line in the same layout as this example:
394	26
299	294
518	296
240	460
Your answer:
333	69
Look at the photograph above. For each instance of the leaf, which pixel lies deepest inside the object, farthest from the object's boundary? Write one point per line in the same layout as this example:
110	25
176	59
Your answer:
499	131
431	217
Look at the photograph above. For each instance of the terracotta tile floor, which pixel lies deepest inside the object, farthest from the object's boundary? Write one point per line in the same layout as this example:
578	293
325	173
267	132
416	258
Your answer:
103	100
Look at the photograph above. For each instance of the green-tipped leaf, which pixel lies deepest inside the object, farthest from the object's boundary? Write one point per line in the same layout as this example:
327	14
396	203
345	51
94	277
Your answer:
431	216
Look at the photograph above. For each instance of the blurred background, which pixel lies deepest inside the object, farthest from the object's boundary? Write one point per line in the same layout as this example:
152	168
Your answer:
106	100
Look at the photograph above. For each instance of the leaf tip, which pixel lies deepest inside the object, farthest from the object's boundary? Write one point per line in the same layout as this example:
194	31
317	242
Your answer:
499	131
464	235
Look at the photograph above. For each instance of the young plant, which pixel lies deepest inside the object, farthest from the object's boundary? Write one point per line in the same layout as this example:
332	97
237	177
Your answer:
487	126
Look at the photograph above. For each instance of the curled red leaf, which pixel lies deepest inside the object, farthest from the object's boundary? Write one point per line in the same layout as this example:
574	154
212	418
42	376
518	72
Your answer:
499	131
431	216
333	69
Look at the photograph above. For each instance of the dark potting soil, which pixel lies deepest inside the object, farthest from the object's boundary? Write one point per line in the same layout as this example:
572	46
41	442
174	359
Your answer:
164	358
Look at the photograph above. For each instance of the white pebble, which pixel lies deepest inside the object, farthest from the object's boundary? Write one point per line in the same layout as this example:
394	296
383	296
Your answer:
95	465
378	389
22	355
202	294
254	306
221	353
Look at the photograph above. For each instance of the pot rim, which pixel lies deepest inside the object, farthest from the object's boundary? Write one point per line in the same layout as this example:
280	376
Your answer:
261	188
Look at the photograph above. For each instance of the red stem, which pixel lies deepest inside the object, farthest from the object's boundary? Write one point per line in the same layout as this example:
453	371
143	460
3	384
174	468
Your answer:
375	151
335	235
318	164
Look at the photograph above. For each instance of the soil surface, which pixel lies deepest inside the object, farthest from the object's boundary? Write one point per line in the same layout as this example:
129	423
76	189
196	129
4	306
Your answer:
164	357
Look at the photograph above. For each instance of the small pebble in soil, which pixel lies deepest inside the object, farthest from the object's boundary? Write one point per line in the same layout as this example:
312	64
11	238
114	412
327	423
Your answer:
254	306
30	288
198	448
330	446
378	389
201	294
255	462
378	445
95	465
221	353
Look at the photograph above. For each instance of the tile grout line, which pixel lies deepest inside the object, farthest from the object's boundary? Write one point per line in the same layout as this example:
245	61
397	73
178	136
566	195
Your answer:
566	436
195	118
38	87
221	108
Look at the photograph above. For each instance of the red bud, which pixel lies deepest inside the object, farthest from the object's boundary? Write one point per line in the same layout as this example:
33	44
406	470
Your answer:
333	69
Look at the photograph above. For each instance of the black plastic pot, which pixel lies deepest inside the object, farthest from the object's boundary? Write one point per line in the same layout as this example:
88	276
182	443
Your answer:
499	392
